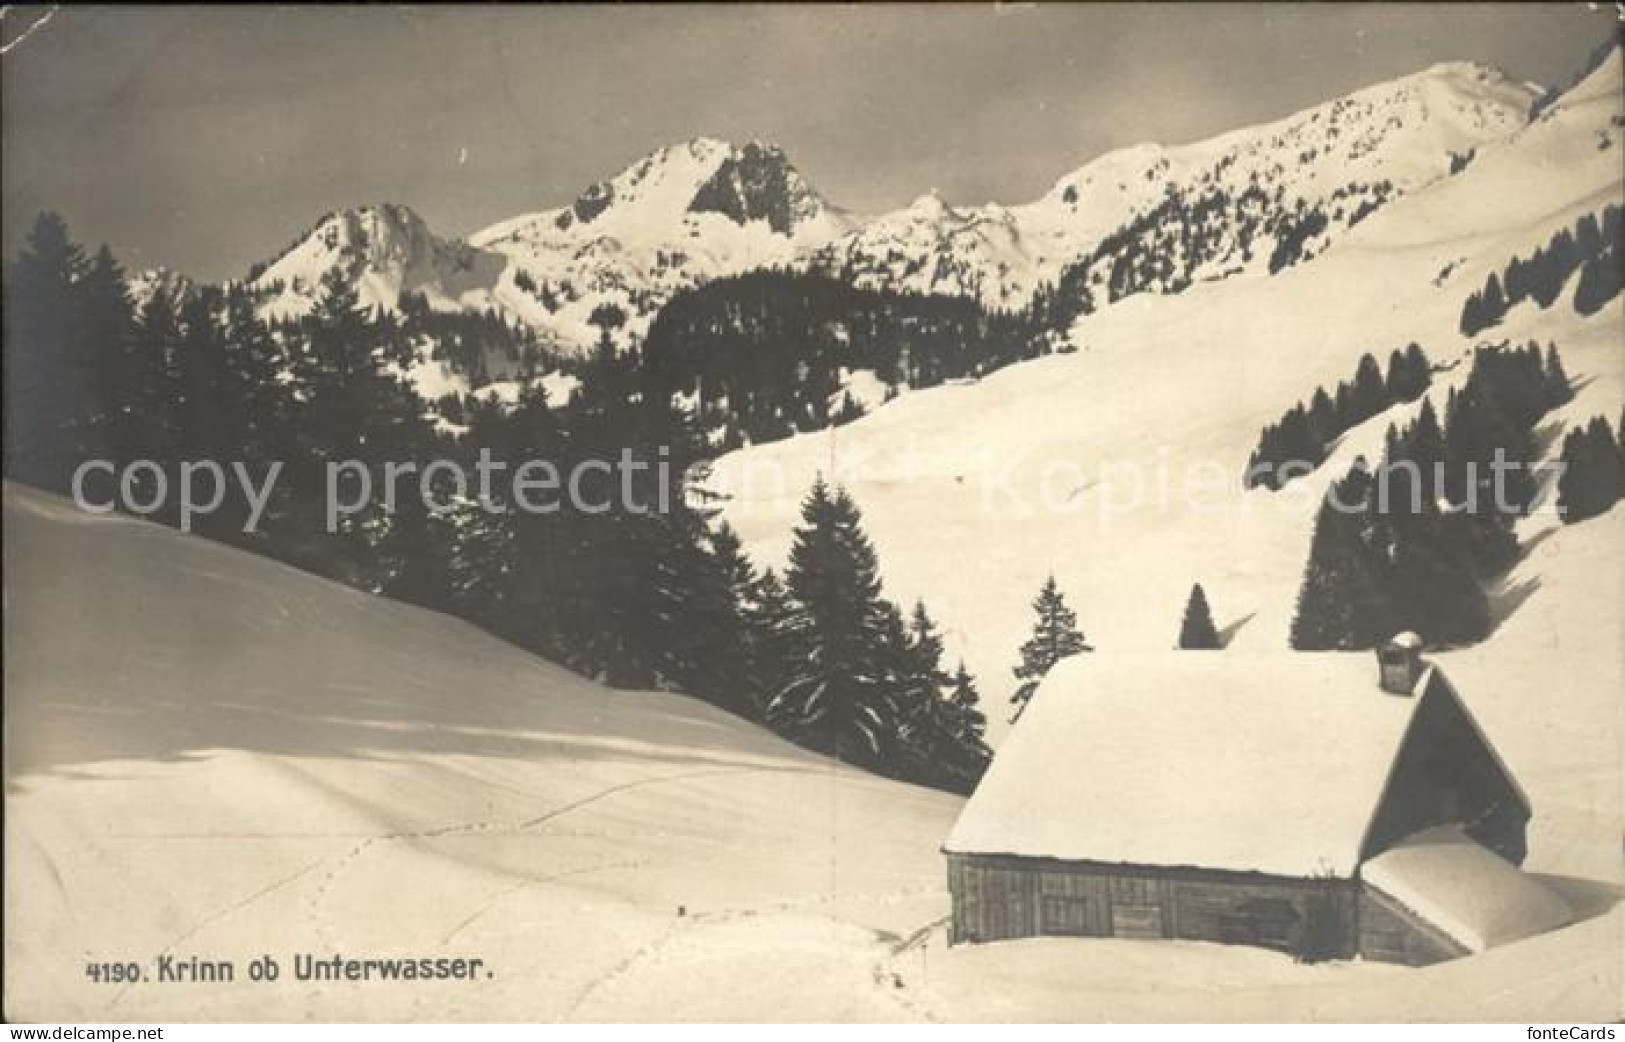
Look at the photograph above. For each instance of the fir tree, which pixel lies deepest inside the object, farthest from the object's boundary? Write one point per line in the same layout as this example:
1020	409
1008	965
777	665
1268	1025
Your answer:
1342	604
200	358
1478	432
1055	637
837	698
1414	461
1196	630
414	549
916	680
1555	380
107	317
151	426
696	624
769	615
352	409
1495	305
1323	420
1369	395
45	375
1422	558
968	726
958	751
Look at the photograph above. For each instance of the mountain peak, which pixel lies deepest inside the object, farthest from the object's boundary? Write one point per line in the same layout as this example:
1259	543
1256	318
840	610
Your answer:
930	206
756	182
143	285
385	250
368	232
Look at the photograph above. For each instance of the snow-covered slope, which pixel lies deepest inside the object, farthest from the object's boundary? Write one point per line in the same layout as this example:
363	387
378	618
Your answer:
1344	157
1080	459
210	753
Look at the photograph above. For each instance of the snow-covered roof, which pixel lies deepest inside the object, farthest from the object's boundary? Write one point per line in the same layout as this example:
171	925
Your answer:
1271	763
1475	897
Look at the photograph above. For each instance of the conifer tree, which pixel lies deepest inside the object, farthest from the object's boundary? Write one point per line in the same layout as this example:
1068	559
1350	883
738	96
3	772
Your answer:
836	698
696	629
1342	604
769	615
414	548
916	680
1472	314
1414	461
1477	433
107	324
43	339
1424	563
1555	380
945	744
151	424
1323	417
1055	636
968	726
1495	304
1196	630
200	359
1369	395
352	409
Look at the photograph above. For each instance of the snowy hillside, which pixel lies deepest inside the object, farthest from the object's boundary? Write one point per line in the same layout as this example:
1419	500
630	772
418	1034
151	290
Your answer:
1078	458
249	760
1345	158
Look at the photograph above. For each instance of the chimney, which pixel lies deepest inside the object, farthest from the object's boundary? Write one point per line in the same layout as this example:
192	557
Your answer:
1399	663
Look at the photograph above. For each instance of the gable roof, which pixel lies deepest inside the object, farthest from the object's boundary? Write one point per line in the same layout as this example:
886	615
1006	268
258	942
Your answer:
1271	763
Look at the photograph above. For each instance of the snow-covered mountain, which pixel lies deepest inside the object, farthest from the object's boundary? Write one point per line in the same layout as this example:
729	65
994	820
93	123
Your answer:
386	250
143	285
1207	209
1078	458
683	215
1255	199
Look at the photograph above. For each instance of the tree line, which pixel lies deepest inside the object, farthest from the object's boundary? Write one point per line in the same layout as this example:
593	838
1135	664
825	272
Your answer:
1302	438
631	597
766	354
1593	247
1409	544
1593	476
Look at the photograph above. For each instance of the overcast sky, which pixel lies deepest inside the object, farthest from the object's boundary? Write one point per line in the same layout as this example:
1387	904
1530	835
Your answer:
205	139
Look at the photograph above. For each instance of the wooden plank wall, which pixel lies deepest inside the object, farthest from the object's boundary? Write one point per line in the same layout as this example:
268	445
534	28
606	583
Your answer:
997	898
1390	932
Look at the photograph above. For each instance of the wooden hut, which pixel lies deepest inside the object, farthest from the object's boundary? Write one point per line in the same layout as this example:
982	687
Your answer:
1237	798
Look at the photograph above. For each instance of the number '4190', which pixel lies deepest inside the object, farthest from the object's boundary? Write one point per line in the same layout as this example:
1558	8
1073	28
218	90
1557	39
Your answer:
113	972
